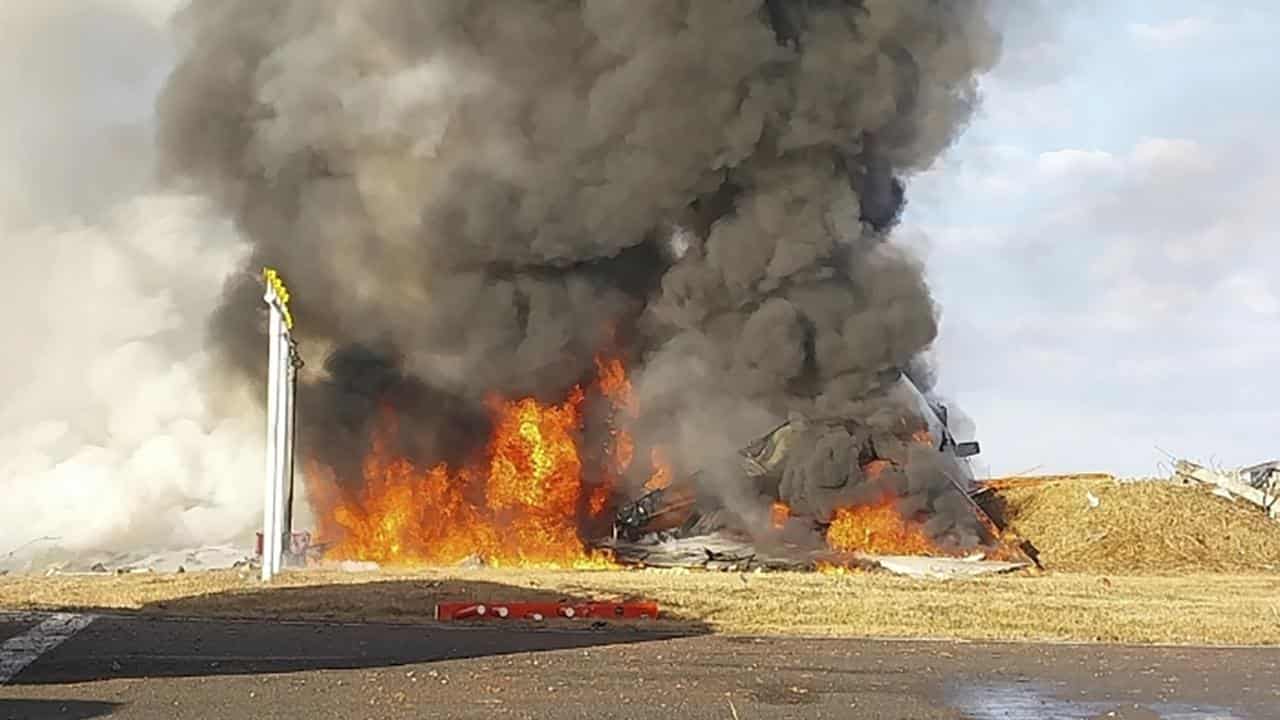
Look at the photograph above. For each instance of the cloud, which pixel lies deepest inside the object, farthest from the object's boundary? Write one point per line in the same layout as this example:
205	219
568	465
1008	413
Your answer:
1150	159
1141	291
1119	292
1254	290
1171	33
1014	107
990	170
1028	89
1035	47
1011	170
1169	157
1056	165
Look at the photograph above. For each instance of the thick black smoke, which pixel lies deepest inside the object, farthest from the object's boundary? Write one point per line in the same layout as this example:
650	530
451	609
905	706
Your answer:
492	191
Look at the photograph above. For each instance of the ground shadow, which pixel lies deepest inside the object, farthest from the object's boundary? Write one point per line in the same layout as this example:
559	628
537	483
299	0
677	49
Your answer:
63	709
323	627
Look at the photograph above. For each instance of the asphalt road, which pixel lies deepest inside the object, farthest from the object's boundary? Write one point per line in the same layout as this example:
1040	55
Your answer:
131	667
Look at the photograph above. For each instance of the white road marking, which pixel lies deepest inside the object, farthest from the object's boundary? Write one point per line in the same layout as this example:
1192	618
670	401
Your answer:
21	650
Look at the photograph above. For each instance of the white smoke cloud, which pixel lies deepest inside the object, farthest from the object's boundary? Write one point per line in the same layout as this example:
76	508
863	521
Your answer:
108	436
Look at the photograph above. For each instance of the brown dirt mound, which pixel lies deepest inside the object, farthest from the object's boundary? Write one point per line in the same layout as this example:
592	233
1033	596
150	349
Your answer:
1139	527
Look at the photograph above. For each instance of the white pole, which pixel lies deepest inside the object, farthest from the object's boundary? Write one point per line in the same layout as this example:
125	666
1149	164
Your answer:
282	444
270	528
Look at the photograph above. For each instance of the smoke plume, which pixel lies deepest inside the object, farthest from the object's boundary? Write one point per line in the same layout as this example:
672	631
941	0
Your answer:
476	196
110	436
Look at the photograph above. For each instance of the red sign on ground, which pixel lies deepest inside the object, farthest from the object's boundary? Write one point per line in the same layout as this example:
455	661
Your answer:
545	610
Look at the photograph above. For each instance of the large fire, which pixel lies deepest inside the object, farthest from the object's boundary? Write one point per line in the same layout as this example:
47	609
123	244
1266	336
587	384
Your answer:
880	529
877	530
528	498
523	504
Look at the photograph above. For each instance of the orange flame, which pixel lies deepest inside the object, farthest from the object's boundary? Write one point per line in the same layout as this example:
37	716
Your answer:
661	476
623	451
879	530
611	378
874	469
598	502
614	385
827	568
522	505
779	513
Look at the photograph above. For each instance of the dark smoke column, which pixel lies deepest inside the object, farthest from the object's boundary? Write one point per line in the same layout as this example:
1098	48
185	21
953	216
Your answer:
472	195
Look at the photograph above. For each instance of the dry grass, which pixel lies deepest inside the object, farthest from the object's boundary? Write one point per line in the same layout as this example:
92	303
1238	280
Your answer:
1143	528
1228	609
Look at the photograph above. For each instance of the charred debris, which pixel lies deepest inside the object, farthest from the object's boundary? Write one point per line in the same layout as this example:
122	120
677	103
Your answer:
679	526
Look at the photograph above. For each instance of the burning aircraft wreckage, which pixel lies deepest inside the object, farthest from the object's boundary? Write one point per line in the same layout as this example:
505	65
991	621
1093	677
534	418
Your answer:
534	499
567	259
882	507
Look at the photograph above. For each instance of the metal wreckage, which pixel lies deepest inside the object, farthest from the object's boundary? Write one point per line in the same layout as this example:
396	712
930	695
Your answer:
688	523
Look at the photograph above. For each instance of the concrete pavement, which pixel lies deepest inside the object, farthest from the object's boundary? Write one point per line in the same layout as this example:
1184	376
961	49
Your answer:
135	667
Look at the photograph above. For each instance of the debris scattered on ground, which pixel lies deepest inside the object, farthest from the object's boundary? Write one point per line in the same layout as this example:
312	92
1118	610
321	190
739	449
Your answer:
712	551
1259	484
48	558
935	568
723	551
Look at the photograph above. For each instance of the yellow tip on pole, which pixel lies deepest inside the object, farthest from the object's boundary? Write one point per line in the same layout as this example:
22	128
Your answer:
276	283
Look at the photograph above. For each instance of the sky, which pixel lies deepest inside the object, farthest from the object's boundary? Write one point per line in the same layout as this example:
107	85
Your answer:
1102	241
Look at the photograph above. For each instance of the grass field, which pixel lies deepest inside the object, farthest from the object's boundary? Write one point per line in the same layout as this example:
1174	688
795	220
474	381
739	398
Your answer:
1191	609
